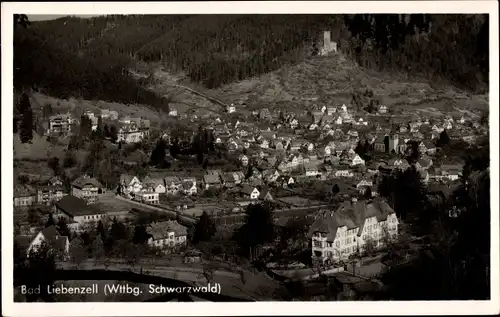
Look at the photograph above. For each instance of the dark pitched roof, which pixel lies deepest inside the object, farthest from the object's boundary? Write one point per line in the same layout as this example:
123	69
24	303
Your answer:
54	239
160	230
50	233
211	179
75	206
351	215
84	181
247	189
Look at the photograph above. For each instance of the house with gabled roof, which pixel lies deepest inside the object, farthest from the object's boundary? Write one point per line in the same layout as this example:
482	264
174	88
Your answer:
166	235
249	192
156	185
211	181
57	243
24	196
130	184
87	188
265	194
270	175
189	188
338	234
364	183
172	185
357	160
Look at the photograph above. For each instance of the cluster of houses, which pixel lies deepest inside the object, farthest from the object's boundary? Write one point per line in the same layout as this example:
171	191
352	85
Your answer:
43	193
281	150
131	130
79	216
322	142
82	211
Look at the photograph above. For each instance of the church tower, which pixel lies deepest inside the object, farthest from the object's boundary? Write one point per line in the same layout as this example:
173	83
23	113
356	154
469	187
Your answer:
393	142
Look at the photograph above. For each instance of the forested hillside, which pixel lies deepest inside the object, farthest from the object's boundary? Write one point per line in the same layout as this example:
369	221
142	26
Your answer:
450	47
219	49
41	64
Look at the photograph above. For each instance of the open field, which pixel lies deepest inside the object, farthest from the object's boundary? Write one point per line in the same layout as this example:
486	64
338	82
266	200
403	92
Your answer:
39	148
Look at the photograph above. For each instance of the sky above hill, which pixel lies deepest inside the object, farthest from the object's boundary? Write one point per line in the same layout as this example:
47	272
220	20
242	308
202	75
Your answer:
45	17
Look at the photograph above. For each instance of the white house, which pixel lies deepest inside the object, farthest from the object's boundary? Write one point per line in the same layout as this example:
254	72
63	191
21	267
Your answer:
130	134
311	169
109	114
172	185
249	192
382	109
343	173
189	188
87	188
313	127
338	234
148	197
157	185
330	110
172	112
166	235
54	240
357	160
309	146
130	184
231	108
60	124
364	183
264	144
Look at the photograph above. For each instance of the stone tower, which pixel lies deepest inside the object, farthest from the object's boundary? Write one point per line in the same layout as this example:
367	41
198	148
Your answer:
327	40
328	46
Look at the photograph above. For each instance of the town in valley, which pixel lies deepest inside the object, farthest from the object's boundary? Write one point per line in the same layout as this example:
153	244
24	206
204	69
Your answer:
312	183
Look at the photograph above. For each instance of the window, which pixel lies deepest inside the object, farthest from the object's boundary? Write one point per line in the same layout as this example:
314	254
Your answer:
338	244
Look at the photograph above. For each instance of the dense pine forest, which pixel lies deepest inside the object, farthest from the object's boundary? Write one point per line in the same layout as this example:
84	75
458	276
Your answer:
89	57
43	65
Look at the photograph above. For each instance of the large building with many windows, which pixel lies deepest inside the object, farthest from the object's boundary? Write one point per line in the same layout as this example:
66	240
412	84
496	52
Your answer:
87	188
79	215
336	235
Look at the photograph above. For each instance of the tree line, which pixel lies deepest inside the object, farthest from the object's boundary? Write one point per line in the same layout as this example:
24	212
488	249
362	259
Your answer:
218	49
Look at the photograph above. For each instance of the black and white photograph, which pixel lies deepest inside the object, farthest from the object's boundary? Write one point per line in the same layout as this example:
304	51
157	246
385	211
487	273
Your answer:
238	157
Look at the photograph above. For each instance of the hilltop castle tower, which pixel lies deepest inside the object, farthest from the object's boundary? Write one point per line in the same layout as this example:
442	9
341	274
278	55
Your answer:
328	46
